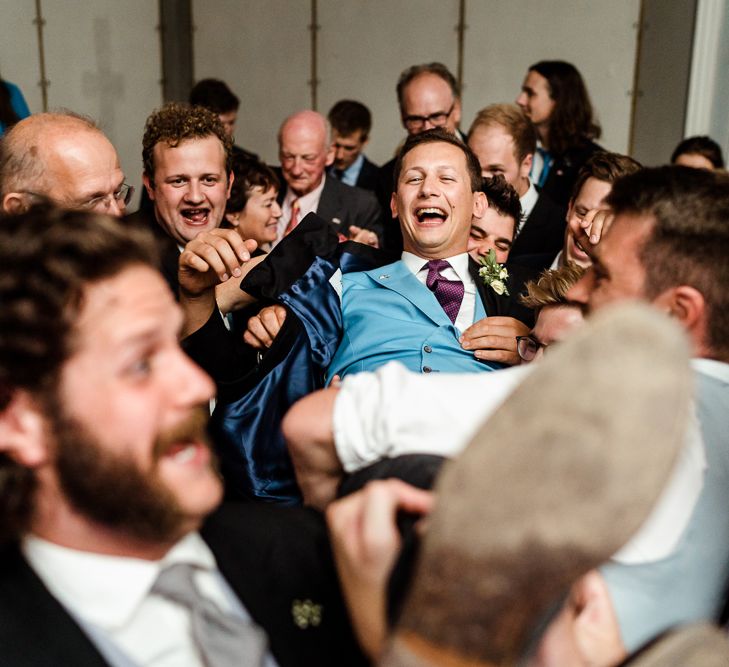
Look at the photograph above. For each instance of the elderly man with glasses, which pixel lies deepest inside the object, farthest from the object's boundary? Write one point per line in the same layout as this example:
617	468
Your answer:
64	158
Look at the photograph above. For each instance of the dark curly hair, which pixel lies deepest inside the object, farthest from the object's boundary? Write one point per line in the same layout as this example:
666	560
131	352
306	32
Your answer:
175	122
49	256
502	197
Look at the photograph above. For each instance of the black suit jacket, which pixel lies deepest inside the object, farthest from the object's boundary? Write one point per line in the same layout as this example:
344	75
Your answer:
169	253
563	173
369	176
273	558
342	206
542	234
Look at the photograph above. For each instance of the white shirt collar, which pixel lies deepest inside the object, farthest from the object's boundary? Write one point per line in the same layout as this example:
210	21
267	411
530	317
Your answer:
310	200
459	263
712	368
86	582
528	202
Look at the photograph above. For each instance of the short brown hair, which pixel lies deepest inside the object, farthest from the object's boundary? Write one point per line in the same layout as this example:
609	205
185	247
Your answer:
439	135
514	122
349	116
176	122
551	288
49	257
604	166
689	240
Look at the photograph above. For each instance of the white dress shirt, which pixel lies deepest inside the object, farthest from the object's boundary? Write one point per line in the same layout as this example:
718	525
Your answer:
111	596
528	202
458	271
308	203
394	411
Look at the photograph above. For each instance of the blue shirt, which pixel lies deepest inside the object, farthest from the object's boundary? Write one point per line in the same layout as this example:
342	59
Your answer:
351	173
17	102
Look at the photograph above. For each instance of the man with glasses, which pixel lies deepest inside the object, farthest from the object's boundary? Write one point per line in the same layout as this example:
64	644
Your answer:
556	317
428	96
64	158
305	153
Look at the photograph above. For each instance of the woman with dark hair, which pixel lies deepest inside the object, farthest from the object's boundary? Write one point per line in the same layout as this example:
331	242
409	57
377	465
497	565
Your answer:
252	208
12	105
555	99
700	152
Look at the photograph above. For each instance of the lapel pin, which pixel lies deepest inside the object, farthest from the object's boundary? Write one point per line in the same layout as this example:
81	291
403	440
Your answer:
384	276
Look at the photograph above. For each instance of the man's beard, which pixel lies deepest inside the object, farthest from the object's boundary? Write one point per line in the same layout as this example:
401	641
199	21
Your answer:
111	489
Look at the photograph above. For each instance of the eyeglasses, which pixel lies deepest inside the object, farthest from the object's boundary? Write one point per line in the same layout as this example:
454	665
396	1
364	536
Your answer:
437	119
528	346
101	203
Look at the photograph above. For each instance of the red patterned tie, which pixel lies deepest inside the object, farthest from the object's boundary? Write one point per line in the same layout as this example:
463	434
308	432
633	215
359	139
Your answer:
448	292
294	216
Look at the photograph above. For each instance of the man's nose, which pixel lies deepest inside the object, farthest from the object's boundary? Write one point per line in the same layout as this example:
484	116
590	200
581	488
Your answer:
521	99
194	192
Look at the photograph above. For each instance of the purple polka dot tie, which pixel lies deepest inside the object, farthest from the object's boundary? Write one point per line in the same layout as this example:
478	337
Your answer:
448	292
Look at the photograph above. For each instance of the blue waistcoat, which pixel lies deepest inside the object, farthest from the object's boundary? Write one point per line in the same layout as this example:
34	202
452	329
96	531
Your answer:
389	315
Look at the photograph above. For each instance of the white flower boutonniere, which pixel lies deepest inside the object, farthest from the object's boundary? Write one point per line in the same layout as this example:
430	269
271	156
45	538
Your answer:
493	274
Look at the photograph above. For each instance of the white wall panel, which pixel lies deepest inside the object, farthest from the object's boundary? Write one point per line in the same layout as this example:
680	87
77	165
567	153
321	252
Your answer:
599	38
102	59
261	50
365	44
19	50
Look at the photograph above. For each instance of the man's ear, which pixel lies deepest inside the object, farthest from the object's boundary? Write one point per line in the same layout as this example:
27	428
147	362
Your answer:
232	218
393	204
480	204
23	431
688	306
14	203
526	166
231	178
331	154
148	186
596	629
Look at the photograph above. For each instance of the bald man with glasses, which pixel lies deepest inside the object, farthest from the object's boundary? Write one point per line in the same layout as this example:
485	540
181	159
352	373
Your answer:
64	158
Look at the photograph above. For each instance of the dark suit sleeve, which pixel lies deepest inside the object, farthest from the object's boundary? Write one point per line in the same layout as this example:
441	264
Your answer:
279	562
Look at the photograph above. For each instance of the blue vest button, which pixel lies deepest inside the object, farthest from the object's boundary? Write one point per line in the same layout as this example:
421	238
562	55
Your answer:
427	349
427	369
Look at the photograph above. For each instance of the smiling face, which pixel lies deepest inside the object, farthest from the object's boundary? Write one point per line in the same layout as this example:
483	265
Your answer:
304	151
190	186
434	201
591	196
259	219
132	408
493	231
496	153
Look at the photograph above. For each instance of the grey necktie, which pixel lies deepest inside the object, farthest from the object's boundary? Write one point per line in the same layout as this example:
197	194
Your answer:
223	640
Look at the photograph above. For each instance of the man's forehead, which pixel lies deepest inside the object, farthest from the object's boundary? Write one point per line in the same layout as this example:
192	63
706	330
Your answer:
439	154
168	150
427	90
134	303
